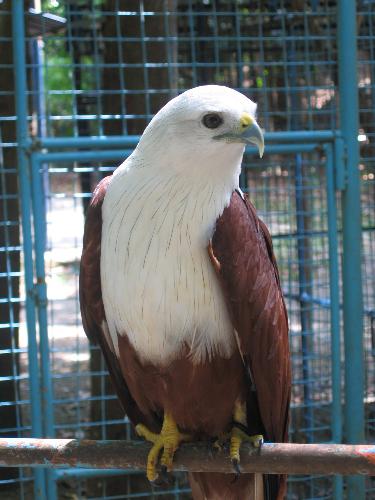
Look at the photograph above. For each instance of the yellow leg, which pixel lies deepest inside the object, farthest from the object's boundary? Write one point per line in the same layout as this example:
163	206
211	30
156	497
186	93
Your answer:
239	436
168	440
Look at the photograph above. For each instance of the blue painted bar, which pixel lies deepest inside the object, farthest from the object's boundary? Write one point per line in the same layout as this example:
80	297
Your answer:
101	142
71	156
75	472
108	142
25	197
340	164
305	311
285	148
41	298
118	154
41	291
336	413
351	209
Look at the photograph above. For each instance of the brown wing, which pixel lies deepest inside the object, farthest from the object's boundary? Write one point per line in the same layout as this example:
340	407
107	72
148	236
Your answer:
247	267
90	295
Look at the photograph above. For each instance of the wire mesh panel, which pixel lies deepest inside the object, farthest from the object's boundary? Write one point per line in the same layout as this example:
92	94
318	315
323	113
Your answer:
85	405
14	389
289	192
116	62
104	67
366	53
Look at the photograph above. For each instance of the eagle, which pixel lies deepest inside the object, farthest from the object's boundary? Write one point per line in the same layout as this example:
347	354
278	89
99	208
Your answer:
180	288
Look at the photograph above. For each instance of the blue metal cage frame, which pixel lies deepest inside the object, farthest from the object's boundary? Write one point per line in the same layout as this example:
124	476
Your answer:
331	154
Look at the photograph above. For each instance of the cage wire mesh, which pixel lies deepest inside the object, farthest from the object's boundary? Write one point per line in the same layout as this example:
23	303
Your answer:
366	54
14	394
104	67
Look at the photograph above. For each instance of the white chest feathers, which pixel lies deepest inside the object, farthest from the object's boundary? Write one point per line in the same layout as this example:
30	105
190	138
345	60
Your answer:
159	286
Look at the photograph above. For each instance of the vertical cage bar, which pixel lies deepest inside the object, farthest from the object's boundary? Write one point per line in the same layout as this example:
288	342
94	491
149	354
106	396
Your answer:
304	291
41	295
351	210
25	197
336	417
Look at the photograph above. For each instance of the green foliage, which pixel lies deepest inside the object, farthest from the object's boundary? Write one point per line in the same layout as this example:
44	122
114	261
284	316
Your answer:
58	81
54	6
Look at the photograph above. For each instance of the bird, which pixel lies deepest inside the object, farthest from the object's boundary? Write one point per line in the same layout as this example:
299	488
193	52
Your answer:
180	288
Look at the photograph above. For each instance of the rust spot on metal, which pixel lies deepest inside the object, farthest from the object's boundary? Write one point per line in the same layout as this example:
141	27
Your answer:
368	453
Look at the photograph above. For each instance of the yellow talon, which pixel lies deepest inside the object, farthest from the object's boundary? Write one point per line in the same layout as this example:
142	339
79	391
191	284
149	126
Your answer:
238	436
168	440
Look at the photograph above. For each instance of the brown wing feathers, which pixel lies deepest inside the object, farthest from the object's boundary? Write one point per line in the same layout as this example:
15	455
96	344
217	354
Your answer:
251	284
248	272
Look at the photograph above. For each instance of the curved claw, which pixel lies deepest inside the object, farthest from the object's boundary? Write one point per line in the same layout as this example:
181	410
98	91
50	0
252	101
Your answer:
165	477
258	441
236	466
239	434
158	482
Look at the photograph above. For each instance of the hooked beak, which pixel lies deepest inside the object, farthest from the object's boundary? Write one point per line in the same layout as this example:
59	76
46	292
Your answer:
248	132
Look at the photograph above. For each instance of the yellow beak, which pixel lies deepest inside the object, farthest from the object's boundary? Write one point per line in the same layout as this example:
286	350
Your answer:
248	132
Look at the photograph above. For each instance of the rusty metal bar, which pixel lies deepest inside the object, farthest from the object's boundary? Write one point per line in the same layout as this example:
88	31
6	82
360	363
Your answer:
273	458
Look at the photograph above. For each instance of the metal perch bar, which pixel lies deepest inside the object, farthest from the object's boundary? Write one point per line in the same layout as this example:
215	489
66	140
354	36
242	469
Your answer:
273	458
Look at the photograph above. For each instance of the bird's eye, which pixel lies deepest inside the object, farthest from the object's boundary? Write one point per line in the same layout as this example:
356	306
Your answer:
212	120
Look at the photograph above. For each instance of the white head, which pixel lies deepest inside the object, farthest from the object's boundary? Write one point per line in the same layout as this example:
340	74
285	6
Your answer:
204	128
